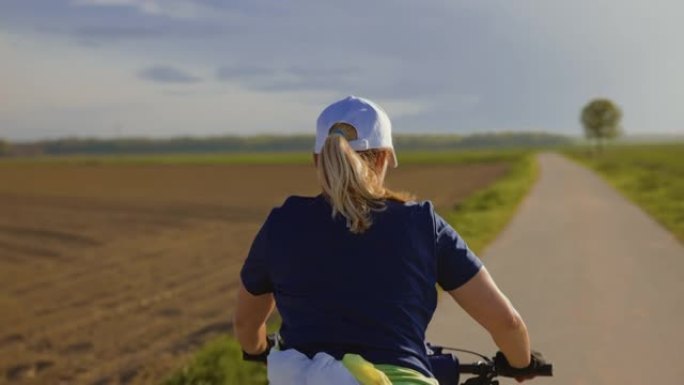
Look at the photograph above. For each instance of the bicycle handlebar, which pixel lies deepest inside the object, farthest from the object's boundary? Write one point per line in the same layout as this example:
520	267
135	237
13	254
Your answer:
484	370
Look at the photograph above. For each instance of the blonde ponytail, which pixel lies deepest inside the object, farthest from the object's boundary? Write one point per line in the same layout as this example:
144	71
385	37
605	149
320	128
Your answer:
351	184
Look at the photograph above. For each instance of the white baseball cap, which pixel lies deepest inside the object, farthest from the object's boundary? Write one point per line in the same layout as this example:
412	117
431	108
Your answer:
373	127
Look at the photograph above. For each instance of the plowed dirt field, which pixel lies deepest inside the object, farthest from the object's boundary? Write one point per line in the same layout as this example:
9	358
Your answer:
113	274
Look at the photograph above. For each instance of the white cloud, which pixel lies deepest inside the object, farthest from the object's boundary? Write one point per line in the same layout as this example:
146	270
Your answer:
435	66
401	108
51	89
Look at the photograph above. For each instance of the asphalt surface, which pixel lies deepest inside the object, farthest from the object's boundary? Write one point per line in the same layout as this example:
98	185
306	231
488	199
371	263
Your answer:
599	283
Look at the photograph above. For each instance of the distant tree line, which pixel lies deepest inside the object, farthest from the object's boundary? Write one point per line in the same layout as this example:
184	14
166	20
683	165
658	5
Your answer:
479	141
173	145
270	143
4	147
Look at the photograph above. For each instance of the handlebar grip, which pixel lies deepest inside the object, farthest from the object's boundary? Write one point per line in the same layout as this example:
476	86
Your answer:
470	368
480	368
271	340
538	366
254	358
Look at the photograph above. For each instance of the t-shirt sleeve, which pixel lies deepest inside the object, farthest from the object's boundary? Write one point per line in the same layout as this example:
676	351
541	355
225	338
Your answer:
456	263
255	274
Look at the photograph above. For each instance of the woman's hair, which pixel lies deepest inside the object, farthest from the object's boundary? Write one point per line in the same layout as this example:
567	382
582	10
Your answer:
350	181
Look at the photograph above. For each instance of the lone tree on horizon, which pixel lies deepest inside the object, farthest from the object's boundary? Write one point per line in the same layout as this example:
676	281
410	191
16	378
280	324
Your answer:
601	120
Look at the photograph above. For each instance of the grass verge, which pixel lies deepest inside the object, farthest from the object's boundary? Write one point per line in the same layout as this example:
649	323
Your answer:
478	219
652	176
219	362
482	216
263	158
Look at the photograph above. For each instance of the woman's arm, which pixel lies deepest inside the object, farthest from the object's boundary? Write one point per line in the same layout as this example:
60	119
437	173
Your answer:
484	302
249	323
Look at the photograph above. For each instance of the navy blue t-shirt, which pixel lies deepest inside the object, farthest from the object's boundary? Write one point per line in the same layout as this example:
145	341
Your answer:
371	294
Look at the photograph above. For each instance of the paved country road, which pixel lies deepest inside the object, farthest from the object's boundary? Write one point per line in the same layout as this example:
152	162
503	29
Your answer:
599	283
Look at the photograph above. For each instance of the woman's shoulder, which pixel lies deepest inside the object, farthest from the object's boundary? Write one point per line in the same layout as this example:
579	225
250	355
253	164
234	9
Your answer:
414	211
419	205
294	206
294	200
297	202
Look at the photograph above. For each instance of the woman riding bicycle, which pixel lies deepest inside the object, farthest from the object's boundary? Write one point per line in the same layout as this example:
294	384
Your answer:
353	271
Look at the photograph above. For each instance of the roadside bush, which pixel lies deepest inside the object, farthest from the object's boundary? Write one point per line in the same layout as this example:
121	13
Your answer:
219	362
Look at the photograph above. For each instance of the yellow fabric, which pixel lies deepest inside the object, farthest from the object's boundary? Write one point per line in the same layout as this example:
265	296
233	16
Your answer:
368	374
364	371
405	376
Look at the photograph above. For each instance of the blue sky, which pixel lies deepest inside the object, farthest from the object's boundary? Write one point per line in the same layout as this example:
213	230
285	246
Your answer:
110	68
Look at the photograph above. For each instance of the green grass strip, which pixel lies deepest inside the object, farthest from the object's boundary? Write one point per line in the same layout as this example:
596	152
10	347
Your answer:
482	216
219	362
652	176
165	159
409	157
478	219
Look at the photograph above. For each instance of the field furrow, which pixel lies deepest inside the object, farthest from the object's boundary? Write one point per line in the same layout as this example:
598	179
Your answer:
113	274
